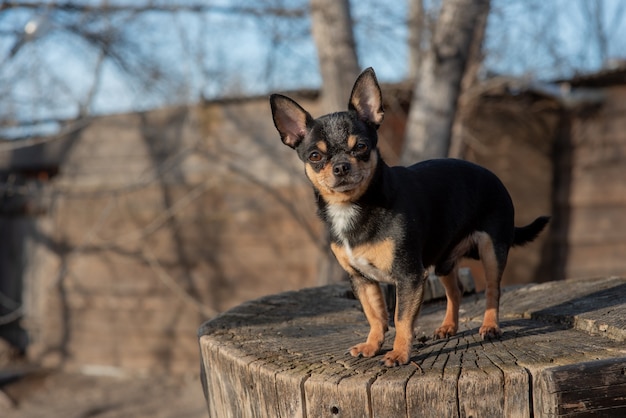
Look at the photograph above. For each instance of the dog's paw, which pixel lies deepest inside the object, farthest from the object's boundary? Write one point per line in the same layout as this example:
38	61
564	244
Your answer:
490	331
364	350
395	358
445	331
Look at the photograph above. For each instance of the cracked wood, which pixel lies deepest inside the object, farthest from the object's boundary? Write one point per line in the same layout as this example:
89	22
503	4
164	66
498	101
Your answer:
562	354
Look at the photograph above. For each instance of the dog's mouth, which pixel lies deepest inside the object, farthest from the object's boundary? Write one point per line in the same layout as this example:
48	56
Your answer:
343	185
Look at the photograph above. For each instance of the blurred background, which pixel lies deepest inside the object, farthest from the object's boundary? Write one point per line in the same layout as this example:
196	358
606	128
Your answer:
144	189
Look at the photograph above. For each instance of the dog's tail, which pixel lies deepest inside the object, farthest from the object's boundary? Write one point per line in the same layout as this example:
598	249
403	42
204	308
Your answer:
526	234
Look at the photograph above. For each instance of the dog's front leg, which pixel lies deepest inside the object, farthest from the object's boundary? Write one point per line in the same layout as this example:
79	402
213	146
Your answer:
409	296
373	303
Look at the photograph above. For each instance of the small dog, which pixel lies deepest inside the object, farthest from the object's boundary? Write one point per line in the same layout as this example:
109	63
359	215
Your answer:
388	224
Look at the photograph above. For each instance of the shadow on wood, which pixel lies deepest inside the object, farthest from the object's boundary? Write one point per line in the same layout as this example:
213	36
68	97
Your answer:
562	354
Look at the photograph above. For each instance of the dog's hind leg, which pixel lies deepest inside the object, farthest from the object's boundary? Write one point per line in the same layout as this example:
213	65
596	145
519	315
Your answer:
493	263
450	323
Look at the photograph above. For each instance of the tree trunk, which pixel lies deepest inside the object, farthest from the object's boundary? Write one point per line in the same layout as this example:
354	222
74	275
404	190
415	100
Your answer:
470	79
436	91
417	30
339	66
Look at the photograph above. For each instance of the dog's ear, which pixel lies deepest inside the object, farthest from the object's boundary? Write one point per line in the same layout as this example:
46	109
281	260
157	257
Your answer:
366	98
290	119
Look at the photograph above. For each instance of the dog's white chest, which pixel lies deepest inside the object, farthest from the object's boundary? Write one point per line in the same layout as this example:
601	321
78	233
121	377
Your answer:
342	217
373	260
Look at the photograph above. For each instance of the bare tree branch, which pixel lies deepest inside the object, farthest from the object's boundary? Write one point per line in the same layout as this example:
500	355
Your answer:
74	7
336	50
174	286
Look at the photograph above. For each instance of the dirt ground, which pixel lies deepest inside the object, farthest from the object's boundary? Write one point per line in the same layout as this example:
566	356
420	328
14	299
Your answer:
53	394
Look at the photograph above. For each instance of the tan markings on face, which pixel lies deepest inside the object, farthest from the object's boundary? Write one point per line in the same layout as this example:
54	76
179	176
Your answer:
322	181
325	181
352	141
321	145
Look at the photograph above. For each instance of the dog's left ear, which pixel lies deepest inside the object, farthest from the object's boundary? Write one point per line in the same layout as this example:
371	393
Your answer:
366	98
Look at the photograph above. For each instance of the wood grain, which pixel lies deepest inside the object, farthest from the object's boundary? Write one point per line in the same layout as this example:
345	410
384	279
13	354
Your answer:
562	354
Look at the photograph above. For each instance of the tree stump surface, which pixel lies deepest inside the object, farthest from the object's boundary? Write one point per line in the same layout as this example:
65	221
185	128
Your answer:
563	353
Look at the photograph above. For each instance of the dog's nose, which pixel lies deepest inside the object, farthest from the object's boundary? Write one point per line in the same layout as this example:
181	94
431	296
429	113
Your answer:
341	169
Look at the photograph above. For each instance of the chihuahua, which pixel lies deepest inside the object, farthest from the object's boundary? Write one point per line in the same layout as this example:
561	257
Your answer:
389	224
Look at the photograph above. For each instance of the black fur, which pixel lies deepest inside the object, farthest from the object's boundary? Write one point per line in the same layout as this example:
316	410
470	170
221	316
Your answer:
431	213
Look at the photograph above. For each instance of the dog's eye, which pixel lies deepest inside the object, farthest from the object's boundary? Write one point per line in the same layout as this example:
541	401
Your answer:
315	157
361	147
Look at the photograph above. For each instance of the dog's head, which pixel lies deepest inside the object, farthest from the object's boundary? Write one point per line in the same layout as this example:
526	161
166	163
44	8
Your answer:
338	150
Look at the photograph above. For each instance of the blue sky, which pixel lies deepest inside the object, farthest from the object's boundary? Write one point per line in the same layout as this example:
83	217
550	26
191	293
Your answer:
218	53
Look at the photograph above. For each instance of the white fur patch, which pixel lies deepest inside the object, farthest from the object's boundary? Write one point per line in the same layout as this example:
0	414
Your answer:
367	269
342	217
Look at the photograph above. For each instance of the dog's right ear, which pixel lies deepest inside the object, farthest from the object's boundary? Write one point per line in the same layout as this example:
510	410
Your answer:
290	119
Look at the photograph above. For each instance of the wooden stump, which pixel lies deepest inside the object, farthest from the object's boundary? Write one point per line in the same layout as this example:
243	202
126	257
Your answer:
563	353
